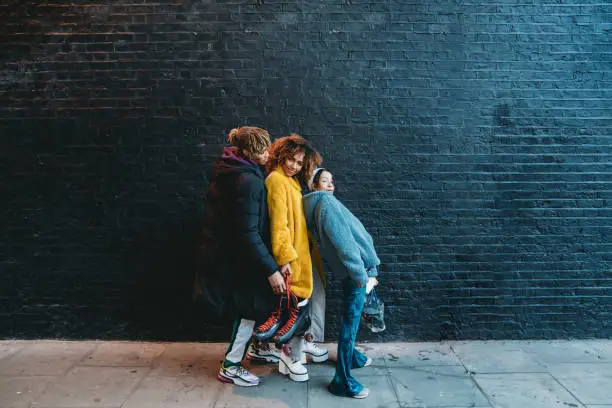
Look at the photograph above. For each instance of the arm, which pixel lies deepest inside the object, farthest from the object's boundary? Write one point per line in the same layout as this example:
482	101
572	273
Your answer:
373	270
282	246
371	260
340	236
249	193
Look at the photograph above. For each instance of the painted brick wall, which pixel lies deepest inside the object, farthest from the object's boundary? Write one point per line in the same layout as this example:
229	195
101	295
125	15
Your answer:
473	138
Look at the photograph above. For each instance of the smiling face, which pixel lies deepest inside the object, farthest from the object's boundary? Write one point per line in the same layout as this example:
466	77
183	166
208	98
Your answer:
326	182
292	165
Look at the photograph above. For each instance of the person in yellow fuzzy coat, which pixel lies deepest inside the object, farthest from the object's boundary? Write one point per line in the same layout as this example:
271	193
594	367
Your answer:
289	235
292	161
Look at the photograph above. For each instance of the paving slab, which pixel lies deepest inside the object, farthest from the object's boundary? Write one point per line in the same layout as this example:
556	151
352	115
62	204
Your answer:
561	351
20	392
529	390
188	359
45	358
415	354
589	383
382	393
275	391
496	357
603	348
85	387
175	392
328	369
436	386
7	349
125	354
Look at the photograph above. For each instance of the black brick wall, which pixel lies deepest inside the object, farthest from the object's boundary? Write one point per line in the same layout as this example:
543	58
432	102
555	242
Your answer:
473	138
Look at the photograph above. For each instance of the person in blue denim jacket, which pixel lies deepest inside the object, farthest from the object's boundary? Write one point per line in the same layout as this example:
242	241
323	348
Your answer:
347	250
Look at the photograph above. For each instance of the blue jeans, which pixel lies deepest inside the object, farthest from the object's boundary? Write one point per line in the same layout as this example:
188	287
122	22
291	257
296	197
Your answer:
344	383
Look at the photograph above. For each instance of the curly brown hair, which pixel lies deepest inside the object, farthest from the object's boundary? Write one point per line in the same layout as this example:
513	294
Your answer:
288	146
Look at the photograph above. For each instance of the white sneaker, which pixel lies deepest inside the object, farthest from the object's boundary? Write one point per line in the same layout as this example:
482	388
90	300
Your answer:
237	375
263	352
368	362
317	354
362	394
295	369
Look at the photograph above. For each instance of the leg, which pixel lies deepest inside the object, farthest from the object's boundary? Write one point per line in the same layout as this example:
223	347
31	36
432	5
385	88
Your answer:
290	357
261	351
359	359
241	337
231	370
344	383
317	326
297	345
317	307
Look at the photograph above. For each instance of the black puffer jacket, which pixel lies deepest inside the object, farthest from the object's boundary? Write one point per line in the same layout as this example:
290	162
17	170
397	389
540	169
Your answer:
234	257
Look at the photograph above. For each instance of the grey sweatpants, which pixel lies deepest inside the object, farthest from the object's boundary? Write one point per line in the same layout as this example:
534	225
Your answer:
241	338
317	307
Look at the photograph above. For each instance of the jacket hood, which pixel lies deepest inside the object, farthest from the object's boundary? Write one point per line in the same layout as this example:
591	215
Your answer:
311	200
231	162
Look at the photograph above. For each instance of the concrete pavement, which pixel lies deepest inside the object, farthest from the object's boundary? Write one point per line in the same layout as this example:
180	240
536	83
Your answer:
501	374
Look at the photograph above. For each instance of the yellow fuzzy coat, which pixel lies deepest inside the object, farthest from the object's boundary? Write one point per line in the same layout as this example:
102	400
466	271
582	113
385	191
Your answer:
288	230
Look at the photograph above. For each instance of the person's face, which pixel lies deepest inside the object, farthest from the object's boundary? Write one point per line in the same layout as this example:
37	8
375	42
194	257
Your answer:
326	182
293	164
261	158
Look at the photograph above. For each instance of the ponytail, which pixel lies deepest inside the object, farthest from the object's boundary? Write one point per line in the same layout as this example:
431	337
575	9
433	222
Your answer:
232	137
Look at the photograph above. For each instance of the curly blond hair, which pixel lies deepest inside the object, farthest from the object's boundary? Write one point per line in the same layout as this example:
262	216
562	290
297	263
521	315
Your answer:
288	146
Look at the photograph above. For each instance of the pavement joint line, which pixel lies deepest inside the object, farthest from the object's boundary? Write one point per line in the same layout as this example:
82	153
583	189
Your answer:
481	390
566	389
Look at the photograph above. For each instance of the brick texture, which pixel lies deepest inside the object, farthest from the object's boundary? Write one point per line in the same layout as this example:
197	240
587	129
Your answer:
473	139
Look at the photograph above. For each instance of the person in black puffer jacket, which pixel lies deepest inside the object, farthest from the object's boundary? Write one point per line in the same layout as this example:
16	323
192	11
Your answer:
237	276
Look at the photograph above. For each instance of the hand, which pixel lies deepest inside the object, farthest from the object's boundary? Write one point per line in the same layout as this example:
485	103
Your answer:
277	283
286	270
371	283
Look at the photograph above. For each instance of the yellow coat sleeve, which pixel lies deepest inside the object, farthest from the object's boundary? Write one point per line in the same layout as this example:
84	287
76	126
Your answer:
282	244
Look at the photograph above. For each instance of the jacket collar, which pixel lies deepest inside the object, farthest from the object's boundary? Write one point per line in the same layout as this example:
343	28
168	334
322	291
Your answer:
292	180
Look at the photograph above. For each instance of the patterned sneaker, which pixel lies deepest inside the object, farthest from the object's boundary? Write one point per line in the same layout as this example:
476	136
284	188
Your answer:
237	375
262	352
